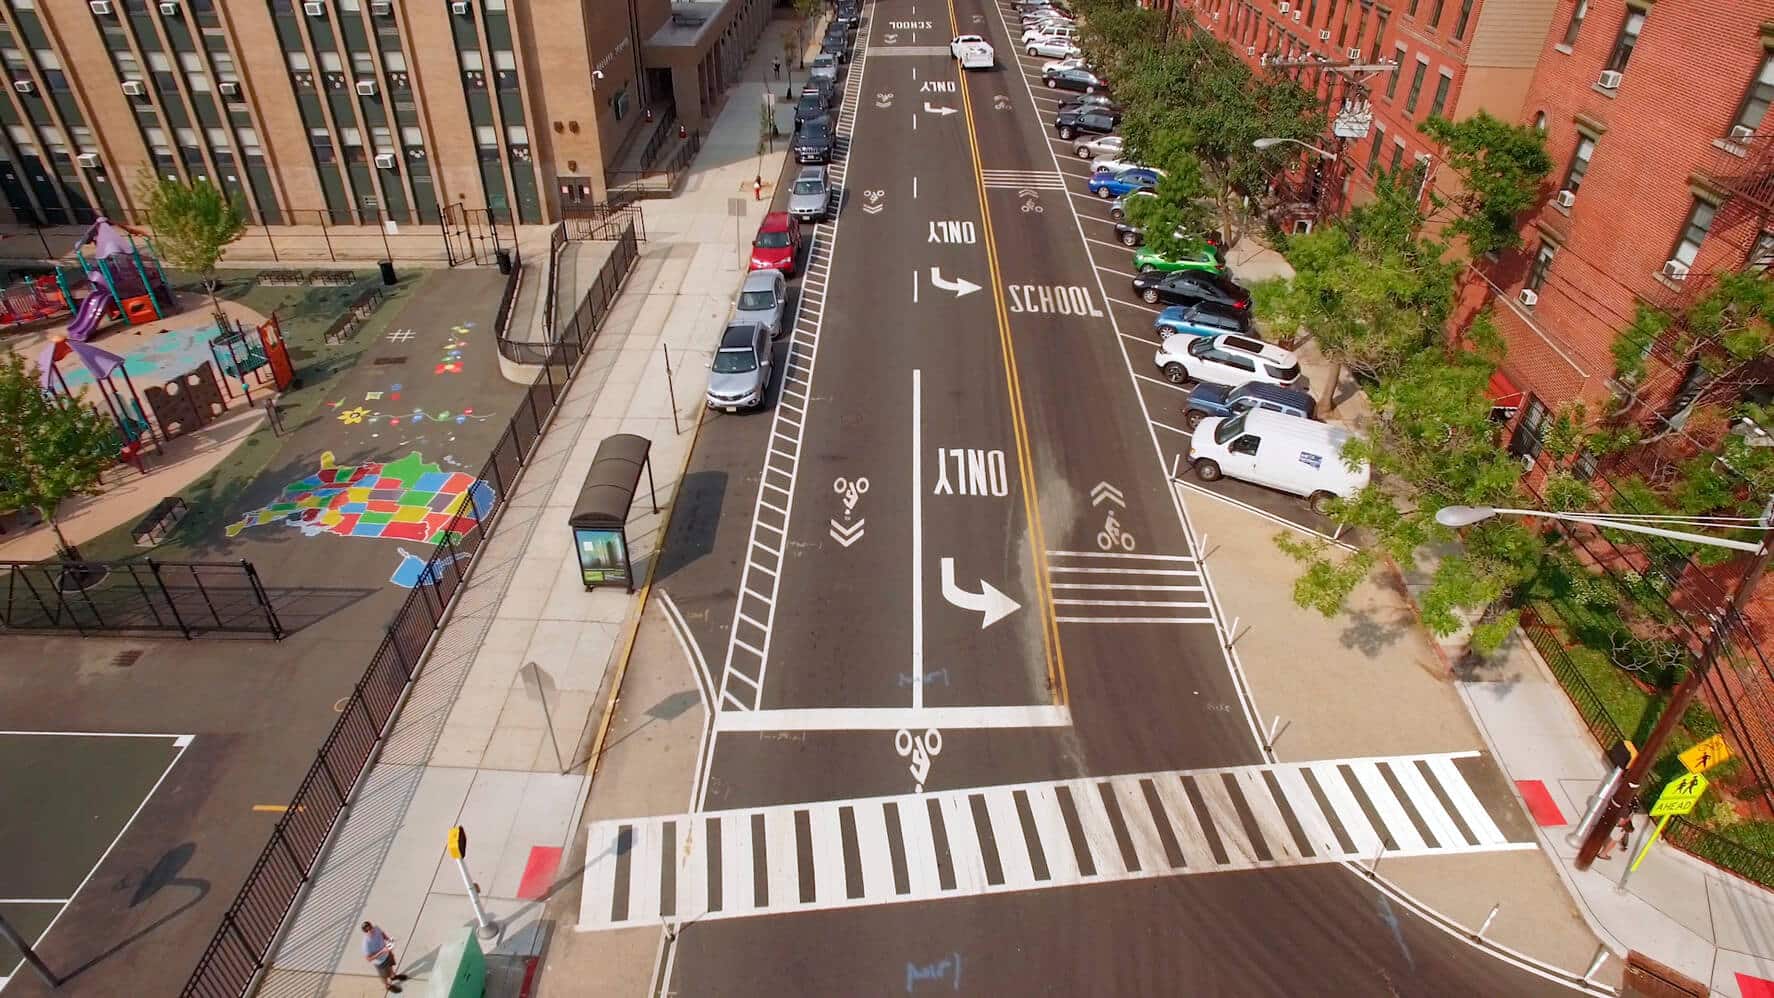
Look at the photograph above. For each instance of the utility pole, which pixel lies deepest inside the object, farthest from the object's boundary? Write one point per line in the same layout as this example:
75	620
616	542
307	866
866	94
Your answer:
1628	787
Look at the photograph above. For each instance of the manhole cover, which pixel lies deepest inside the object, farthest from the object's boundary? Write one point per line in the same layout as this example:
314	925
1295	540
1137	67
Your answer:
125	659
389	361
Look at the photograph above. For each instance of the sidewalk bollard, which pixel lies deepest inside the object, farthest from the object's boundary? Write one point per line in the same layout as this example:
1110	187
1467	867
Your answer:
1374	865
1601	957
456	844
672	392
1593	811
1201	547
1488	919
1269	735
1174	463
1232	634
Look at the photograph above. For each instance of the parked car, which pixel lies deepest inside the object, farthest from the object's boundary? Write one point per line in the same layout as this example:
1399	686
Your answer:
1208	260
824	65
1063	32
825	87
739	374
1090	100
972	52
1108	184
1082	80
809	199
1225	360
1114	163
813	141
1102	145
1201	320
1053	48
810	106
1070	62
1189	287
848	14
1219	402
1282	452
837	46
763	298
777	246
1071	124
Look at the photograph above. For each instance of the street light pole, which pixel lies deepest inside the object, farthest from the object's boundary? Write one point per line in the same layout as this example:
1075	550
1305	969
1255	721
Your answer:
1628	787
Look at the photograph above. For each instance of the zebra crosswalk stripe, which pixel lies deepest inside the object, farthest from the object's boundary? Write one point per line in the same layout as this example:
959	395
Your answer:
984	840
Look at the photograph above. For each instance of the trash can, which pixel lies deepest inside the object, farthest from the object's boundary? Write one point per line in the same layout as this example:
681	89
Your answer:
388	272
504	258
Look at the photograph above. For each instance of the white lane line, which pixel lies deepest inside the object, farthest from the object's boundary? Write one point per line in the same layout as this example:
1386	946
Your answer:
1130	275
1471	811
1391	811
1105	242
917	539
1148	378
893	718
1148	604
1127	586
1174	429
1123	556
1136	620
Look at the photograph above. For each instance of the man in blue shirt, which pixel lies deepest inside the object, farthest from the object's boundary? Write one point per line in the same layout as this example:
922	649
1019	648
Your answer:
378	949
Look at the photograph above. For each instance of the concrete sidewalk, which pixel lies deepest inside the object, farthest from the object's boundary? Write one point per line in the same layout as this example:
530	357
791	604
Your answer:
506	712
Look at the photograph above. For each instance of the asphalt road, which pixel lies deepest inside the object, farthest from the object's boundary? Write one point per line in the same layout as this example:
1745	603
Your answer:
957	350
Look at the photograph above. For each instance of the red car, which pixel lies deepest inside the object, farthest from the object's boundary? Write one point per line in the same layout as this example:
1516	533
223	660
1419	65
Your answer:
777	244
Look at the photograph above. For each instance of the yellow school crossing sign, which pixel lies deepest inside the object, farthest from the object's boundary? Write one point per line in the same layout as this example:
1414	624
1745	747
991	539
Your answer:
1706	755
1679	795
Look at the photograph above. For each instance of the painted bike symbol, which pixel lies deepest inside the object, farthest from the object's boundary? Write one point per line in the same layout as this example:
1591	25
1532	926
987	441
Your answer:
1112	534
850	490
1029	206
921	750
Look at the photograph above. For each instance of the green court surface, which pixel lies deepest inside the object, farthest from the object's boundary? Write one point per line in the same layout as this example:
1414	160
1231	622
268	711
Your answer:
67	799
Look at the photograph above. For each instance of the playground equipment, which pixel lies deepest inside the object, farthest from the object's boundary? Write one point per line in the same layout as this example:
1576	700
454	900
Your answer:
123	278
252	356
131	419
33	300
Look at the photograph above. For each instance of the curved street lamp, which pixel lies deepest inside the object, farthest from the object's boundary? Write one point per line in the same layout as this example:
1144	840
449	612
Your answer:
1271	143
1466	516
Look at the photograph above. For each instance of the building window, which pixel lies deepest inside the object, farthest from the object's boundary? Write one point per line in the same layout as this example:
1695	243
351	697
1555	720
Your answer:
1540	122
363	66
505	71
1441	93
323	145
195	77
1379	33
518	138
474	73
55	142
382	137
1542	264
158	147
1412	11
1397	157
83	140
486	141
1527	440
1577	14
1392	77
218	138
1579	163
619	103
224	64
1629	29
352	140
1373	152
412	138
1755	103
1762	253
249	143
160	67
51	68
1435	13
1465	17
491	5
301	72
22	138
1410	100
1694	232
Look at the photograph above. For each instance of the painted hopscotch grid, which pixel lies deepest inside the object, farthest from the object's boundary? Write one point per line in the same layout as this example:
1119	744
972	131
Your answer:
987	840
754	611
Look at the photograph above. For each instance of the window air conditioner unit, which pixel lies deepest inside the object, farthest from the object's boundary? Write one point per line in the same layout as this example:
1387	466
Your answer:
1250	50
1527	462
1675	270
88	159
1283	8
459	8
1609	80
23	86
1565	198
100	6
1741	133
384	161
1353	54
1529	297
1324	36
314	8
169	8
133	88
366	88
228	88
1298	16
382	8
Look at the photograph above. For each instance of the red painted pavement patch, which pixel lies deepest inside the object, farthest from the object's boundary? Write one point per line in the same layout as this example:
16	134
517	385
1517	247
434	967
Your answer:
539	872
1540	805
1754	987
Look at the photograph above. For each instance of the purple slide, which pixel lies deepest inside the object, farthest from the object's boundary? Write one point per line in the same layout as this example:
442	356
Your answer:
91	313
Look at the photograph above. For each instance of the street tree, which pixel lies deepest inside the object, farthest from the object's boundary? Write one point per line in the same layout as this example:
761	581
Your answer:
805	12
193	224
1501	168
1176	219
51	449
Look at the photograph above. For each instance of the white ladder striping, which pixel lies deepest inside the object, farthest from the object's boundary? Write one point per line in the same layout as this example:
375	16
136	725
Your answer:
1152	813
1119	587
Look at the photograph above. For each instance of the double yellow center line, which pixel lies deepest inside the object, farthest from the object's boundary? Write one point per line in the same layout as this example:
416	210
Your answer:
1056	660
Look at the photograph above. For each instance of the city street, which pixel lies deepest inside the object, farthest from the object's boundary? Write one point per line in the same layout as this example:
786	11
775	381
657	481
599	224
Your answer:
974	707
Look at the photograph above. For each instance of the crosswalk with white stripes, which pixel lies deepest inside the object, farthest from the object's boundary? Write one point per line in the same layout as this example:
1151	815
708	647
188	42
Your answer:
1117	587
985	840
1048	180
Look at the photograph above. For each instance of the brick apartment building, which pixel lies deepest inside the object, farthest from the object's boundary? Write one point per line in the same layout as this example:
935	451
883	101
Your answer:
356	111
1453	58
1654	116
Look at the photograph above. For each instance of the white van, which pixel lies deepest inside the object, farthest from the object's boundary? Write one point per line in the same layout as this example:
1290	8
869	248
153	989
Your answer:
1280	451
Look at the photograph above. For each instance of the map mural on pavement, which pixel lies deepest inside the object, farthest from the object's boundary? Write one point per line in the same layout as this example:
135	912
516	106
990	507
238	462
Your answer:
410	500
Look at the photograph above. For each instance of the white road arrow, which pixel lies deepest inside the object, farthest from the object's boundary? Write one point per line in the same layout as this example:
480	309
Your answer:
989	601
1104	492
846	534
938	110
961	286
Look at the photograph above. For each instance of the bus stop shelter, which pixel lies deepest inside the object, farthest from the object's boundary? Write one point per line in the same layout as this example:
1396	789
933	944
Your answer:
600	516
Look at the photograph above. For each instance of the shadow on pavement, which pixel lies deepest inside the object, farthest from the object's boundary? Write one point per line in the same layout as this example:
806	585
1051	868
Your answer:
701	496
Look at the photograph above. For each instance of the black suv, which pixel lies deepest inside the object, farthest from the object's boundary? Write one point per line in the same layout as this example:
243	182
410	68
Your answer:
810	106
813	141
824	86
1189	287
1095	120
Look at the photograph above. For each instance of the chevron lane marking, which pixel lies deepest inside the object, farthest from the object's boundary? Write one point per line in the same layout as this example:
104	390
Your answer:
1153	808
847	534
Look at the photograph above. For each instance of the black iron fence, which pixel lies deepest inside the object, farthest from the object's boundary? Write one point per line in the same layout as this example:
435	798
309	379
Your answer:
581	327
238	952
102	597
514	279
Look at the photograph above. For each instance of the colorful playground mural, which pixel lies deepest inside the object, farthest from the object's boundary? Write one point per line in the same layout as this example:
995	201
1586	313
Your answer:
410	500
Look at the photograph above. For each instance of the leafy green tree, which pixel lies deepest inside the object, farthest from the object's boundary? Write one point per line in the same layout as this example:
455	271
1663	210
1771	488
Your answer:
51	449
193	223
1175	220
805	12
1501	167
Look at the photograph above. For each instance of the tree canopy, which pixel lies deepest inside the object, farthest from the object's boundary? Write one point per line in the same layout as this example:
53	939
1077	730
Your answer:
51	449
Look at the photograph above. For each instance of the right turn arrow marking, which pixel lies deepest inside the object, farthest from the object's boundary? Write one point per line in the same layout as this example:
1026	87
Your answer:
989	601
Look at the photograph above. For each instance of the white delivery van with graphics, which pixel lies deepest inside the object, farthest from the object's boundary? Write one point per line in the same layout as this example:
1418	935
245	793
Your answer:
1282	452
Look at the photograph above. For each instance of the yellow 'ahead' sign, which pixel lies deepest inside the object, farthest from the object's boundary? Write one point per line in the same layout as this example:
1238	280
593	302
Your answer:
1679	795
1706	755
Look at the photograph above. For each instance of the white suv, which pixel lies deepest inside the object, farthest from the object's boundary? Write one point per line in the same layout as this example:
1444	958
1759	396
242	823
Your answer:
1226	360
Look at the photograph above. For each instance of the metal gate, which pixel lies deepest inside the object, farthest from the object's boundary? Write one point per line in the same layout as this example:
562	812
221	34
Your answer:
471	235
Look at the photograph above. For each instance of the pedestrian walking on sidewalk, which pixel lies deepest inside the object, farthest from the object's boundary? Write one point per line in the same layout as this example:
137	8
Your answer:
776	67
378	949
1626	829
